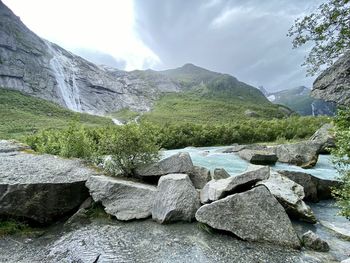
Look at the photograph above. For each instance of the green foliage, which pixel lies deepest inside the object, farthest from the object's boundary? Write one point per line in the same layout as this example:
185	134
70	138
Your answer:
342	160
10	227
128	146
125	115
328	29
22	115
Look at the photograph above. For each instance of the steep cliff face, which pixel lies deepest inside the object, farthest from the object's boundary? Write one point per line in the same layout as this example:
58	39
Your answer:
334	83
43	69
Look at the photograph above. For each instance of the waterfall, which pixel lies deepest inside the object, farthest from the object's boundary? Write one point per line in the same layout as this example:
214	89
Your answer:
64	71
313	109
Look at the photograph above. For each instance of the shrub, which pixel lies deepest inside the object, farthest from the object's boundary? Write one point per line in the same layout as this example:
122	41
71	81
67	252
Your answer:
342	160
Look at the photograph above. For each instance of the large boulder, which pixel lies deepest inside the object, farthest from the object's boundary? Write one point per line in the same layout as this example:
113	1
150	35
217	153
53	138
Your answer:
304	154
260	157
40	188
12	146
123	199
314	242
216	189
176	199
254	215
324	137
220	173
199	176
290	195
177	163
334	83
315	188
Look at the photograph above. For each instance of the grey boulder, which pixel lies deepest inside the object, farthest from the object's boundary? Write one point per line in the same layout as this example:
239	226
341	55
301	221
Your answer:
220	173
290	195
324	137
41	188
260	157
177	163
254	215
176	199
314	242
304	154
216	189
315	188
199	176
12	146
123	199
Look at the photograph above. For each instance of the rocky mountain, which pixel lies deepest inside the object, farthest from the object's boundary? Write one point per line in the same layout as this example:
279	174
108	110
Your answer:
334	83
43	69
299	100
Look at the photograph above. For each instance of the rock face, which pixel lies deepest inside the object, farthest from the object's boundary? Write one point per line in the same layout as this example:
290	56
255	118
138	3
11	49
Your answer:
304	154
314	242
177	163
216	189
199	176
259	157
315	188
290	195
123	199
254	215
176	199
43	69
220	173
334	83
324	137
40	188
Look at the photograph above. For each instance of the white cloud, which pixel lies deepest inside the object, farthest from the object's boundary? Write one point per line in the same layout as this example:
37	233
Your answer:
102	25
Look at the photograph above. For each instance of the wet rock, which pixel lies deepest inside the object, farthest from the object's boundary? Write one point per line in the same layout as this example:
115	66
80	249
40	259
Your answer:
260	157
234	148
345	261
324	137
220	173
216	189
314	242
304	154
177	163
290	195
254	215
41	188
123	199
315	188
176	199
199	176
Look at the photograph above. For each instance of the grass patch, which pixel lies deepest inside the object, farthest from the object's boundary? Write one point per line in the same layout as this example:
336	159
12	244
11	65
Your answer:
10	227
22	115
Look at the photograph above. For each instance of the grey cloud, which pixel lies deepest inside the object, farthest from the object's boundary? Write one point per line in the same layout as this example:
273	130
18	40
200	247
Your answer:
245	38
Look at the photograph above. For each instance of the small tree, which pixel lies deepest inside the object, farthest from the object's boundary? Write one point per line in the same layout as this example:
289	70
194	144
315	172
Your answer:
328	28
342	160
129	146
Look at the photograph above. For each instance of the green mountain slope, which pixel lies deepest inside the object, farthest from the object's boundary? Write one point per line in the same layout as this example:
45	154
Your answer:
299	100
22	115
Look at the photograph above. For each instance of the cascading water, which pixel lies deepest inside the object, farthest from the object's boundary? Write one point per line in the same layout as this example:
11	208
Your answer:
64	71
313	109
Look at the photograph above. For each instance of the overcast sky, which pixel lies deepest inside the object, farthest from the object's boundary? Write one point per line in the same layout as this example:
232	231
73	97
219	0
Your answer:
245	38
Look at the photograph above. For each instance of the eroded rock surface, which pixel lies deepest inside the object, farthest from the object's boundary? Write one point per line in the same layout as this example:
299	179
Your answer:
254	215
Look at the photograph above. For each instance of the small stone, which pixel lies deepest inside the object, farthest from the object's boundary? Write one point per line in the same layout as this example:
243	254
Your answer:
314	242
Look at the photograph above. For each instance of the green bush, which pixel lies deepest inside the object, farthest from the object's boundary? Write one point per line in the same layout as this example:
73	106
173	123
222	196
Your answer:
342	160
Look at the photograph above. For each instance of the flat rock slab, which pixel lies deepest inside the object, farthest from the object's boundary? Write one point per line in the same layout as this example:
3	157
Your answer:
260	157
177	163
123	199
216	189
254	215
41	188
176	199
290	195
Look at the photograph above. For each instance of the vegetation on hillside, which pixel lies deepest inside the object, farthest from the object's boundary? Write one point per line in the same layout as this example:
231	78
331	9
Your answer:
342	160
23	115
328	29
